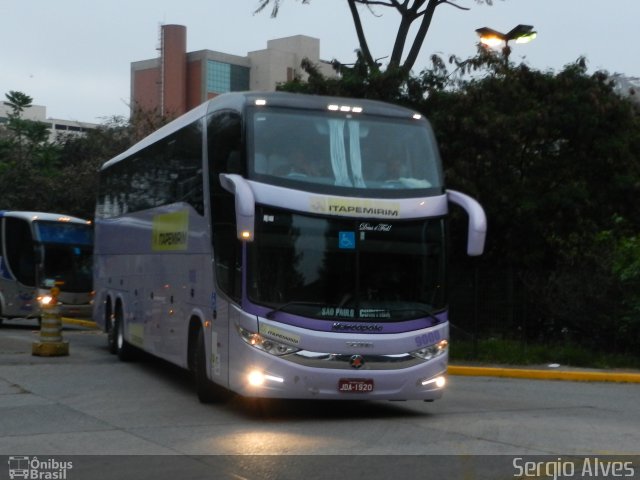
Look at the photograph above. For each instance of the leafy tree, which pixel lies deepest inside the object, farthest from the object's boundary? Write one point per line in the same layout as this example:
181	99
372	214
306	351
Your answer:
18	101
537	147
25	142
36	174
553	158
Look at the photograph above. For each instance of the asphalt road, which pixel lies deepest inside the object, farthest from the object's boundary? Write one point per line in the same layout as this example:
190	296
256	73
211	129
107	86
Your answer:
121	420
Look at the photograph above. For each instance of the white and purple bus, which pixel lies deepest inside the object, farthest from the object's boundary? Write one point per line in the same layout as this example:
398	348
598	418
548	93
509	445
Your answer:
38	251
282	245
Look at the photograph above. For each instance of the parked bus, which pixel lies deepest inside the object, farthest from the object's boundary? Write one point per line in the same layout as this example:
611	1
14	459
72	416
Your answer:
282	245
39	251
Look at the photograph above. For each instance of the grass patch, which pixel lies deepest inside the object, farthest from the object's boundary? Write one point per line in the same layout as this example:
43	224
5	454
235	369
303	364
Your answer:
513	352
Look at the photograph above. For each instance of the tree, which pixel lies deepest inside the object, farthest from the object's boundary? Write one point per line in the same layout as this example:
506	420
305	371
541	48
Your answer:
36	174
553	158
404	53
25	141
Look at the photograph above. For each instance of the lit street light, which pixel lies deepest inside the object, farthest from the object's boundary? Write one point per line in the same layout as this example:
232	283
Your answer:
493	38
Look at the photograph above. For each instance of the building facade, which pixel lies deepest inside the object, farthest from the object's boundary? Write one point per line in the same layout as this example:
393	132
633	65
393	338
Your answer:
57	127
177	81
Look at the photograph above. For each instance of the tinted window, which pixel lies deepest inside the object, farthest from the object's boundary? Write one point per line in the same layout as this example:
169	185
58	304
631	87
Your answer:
224	140
340	268
169	171
334	151
19	250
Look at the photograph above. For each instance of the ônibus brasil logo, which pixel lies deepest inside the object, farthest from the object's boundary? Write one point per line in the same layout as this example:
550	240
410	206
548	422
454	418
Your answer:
38	469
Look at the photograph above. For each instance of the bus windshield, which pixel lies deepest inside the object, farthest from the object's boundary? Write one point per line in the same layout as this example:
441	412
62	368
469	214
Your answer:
338	268
343	150
67	249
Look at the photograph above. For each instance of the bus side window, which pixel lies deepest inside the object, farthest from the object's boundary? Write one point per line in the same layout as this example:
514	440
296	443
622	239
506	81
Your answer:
20	253
224	138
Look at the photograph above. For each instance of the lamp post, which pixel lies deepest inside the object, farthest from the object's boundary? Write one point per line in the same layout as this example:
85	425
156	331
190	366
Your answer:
493	38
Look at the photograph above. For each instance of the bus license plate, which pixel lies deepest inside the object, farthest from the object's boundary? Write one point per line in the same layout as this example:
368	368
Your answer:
355	385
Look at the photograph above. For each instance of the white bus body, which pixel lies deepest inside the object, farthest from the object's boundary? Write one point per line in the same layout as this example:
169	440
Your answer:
214	254
38	251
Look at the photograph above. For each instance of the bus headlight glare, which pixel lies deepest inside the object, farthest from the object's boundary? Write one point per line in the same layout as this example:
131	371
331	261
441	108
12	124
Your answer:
255	378
439	382
45	299
265	344
432	351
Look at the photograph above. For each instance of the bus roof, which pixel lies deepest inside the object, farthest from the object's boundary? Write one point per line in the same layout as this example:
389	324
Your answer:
50	217
239	100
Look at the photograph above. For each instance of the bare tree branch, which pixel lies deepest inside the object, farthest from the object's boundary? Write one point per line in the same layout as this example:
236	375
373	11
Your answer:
421	34
458	6
362	40
390	3
409	10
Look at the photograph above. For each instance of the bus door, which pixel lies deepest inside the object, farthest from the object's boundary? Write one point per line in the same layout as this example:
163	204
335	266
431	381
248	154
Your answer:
219	340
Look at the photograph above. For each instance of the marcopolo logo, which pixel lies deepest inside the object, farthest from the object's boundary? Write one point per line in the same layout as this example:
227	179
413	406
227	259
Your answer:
37	468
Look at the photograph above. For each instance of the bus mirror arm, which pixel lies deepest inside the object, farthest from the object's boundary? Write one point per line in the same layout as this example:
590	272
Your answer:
245	204
477	221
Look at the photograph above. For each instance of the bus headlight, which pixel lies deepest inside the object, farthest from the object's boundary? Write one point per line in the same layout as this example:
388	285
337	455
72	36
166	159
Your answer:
432	351
257	378
265	344
45	300
439	382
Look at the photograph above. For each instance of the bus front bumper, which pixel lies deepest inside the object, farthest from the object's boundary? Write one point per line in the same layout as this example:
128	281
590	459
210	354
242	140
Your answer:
258	374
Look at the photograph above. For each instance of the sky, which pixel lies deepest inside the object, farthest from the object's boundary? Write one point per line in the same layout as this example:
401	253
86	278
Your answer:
74	56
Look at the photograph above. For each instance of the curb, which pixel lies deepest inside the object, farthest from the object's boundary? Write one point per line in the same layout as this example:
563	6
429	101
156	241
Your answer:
79	322
576	376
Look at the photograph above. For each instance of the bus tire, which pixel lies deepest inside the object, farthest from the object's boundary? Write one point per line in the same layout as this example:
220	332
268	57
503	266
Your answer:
112	336
124	350
207	391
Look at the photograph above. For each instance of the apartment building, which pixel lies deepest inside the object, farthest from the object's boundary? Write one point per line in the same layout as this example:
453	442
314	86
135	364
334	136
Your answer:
177	80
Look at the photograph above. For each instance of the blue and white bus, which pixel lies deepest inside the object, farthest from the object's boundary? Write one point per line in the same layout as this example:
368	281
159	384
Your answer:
39	250
282	245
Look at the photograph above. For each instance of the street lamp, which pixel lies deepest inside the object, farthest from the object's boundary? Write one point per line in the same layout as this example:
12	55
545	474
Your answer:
493	38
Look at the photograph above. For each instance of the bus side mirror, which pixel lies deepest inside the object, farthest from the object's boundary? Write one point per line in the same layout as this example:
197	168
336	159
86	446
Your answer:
477	221
245	204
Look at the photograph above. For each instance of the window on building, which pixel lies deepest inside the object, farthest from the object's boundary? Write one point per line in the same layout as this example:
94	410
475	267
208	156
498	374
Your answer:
225	77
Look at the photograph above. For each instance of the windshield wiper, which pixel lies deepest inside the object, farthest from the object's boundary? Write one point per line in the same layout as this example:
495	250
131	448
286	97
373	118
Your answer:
282	307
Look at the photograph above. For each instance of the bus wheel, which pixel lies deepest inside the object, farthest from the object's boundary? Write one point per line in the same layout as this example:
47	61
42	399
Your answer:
124	350
111	336
208	392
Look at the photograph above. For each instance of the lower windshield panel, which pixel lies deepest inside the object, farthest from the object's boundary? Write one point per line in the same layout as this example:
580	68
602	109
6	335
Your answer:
68	265
346	269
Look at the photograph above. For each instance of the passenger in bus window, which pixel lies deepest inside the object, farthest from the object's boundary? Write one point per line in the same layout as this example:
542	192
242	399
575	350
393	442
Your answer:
298	163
